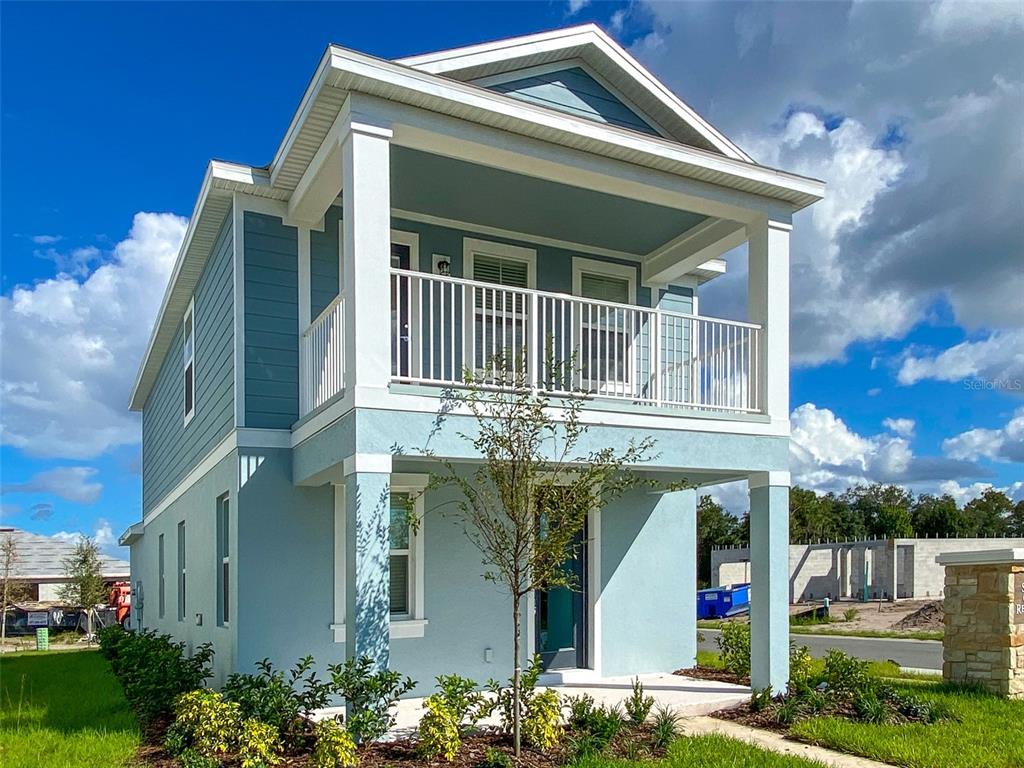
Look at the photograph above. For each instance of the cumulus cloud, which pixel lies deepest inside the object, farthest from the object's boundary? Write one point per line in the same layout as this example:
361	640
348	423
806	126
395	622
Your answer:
72	345
69	483
966	493
902	427
1003	444
904	225
998	359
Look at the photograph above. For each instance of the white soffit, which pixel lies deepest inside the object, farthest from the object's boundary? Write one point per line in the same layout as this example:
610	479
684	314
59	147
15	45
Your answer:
603	55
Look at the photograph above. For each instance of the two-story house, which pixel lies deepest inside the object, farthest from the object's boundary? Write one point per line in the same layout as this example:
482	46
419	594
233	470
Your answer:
418	216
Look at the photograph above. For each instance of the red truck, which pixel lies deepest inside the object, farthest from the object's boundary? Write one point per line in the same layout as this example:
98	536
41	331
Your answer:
121	599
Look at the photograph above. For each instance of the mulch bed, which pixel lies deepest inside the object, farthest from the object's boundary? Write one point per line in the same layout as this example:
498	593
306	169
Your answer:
708	673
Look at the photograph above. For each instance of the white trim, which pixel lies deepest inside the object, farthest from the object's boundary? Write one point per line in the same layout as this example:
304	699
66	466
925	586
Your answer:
483	229
474	246
412	241
238	272
379	463
775	478
414	484
610	269
305	317
188	320
400	629
254	437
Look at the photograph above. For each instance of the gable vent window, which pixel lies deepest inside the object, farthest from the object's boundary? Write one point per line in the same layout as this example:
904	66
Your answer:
189	362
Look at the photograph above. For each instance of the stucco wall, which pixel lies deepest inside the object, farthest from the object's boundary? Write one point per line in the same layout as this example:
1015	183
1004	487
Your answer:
197	507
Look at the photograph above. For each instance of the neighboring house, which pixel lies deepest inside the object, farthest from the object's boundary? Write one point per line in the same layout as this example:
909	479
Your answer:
40	563
872	569
418	215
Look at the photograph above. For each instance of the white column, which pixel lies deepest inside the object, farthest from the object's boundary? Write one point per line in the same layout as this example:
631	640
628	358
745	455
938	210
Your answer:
769	580
366	196
768	306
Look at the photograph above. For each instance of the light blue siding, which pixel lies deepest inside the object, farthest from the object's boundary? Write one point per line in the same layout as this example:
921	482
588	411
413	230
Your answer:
171	449
324	251
271	323
574	91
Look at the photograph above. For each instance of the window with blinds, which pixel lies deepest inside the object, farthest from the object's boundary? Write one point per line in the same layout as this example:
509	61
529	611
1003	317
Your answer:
493	269
499	314
606	349
604	287
401	554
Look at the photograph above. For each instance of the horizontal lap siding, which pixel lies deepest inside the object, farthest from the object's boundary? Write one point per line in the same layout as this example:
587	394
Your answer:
324	251
271	322
576	92
170	450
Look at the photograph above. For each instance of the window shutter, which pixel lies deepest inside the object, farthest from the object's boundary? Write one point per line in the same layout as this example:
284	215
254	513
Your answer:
491	269
604	287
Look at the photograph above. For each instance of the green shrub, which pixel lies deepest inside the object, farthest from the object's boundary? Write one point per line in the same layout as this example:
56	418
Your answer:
370	696
845	674
259	744
801	666
190	758
760	700
638	706
438	730
787	711
153	669
870	708
334	746
604	725
664	727
580	709
734	643
461	696
541	727
207	722
281	701
503	698
495	758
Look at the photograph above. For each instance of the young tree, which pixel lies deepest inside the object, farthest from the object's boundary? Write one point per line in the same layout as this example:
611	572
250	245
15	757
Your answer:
527	502
13	589
85	586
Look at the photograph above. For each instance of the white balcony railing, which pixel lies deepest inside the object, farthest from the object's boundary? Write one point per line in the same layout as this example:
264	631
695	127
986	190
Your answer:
441	326
322	358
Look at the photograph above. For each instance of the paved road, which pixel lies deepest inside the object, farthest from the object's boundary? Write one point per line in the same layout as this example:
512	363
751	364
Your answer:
917	654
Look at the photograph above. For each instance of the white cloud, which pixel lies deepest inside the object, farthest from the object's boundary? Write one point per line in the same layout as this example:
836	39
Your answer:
902	427
72	346
735	497
69	483
104	535
965	493
45	239
575	6
959	21
998	359
1003	444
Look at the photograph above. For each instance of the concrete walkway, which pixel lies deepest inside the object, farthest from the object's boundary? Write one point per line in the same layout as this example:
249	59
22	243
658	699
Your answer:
775	743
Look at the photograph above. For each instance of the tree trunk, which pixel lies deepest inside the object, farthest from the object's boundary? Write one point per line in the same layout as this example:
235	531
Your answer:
517	675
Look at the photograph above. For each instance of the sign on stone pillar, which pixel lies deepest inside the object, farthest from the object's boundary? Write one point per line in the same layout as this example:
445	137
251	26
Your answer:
1018	599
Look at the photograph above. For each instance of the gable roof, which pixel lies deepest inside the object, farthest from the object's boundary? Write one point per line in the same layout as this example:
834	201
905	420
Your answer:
589	47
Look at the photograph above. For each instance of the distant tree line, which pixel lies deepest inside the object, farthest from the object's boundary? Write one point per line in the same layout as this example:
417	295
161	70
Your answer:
867	511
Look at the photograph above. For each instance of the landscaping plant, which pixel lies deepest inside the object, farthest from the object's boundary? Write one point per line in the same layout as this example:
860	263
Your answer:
206	722
734	643
438	730
334	747
259	744
541	727
370	694
638	706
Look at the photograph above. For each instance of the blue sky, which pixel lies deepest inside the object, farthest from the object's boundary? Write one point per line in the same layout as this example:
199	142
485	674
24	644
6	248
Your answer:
908	337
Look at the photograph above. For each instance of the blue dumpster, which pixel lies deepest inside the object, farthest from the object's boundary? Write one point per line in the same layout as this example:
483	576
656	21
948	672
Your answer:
720	602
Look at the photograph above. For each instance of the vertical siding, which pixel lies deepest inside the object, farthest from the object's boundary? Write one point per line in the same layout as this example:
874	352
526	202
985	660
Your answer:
574	91
324	251
170	450
271	323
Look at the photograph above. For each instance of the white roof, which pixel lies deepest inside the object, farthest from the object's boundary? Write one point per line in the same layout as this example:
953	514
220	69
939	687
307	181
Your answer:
41	558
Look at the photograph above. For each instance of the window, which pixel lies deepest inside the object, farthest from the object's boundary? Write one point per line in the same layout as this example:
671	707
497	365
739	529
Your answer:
606	354
401	556
223	554
500	313
189	362
161	588
181	571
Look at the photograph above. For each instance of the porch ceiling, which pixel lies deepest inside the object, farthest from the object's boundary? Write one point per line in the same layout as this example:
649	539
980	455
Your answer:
455	189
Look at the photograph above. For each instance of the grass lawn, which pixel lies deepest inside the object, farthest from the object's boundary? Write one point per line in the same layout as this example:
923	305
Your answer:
829	628
63	709
989	733
707	751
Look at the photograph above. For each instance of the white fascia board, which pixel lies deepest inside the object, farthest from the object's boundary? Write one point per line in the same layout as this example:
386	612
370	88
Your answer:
478	104
693	249
220	177
131	534
522	48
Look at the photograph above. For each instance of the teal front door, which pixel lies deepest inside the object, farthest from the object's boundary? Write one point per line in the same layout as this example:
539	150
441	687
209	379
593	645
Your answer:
561	617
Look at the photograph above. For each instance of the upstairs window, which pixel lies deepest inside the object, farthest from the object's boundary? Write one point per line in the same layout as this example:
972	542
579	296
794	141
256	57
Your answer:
224	558
189	362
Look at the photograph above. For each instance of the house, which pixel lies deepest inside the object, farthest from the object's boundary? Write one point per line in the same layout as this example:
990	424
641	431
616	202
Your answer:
418	215
40	564
868	569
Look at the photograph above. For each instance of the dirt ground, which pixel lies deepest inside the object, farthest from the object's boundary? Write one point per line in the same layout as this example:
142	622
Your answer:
901	616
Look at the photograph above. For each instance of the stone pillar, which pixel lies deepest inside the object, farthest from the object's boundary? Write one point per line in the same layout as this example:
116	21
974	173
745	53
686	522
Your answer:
769	580
984	616
367	557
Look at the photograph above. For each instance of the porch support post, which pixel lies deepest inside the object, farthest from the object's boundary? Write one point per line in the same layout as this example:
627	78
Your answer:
769	580
687	510
768	306
367	563
366	282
